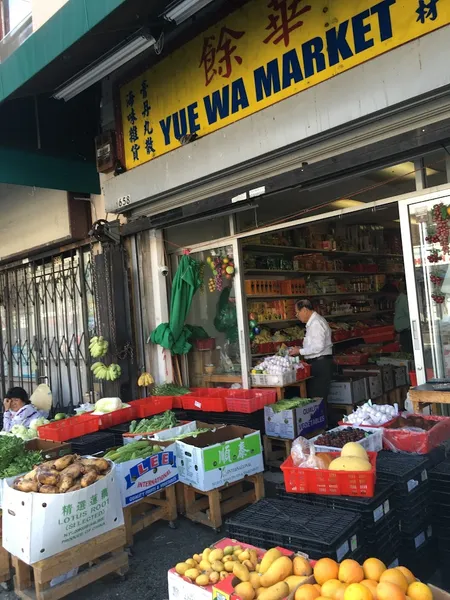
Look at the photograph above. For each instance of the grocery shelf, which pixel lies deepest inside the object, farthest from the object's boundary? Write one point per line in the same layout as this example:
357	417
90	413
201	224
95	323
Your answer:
293	249
321	273
281	296
359	316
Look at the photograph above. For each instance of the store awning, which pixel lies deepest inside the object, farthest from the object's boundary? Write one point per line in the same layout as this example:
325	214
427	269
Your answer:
19	167
81	32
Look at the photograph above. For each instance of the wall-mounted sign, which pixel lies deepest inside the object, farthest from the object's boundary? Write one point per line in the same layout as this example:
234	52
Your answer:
266	51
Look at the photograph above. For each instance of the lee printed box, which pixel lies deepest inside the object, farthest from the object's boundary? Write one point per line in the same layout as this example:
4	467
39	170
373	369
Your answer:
37	526
289	424
347	390
137	479
214	459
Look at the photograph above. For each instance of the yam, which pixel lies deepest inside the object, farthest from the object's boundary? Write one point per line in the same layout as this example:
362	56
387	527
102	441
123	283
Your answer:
278	571
63	462
89	478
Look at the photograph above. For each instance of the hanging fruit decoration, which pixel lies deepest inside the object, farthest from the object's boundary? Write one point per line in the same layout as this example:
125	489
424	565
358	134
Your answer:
222	267
202	277
440	216
253	326
434	256
437	294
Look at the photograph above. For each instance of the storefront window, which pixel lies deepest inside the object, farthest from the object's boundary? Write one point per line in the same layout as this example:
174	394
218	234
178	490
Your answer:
215	357
435	164
182	236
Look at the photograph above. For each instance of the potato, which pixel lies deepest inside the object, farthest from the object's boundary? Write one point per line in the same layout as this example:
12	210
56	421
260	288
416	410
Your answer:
275	592
48	489
245	591
26	486
269	557
31	475
89	478
241	572
46	465
74	488
63	462
99	464
278	571
181	568
75	470
192	574
216	554
202	580
65	484
48	477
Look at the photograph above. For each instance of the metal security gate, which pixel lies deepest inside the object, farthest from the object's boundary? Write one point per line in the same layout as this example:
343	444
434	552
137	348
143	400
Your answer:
47	315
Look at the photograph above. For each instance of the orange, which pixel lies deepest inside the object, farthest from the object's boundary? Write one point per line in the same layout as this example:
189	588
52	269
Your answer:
419	591
407	573
350	571
396	577
325	569
371	585
373	568
318	588
389	591
307	592
341	592
356	591
331	587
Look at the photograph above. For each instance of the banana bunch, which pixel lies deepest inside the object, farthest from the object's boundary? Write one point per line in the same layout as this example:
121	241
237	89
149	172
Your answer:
101	371
98	347
145	379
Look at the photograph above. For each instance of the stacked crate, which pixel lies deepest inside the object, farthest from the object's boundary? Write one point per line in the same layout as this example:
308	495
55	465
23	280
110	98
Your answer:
440	493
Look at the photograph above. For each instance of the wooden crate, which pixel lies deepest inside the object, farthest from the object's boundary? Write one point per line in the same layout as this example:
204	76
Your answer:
161	506
5	566
209	508
102	555
276	450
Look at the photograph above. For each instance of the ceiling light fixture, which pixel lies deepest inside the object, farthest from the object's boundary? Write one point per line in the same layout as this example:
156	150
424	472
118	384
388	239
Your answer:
346	203
182	11
105	66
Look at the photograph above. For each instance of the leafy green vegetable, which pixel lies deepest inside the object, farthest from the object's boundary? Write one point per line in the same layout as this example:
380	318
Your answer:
189	434
289	404
135	450
170	389
165	420
22	464
10	448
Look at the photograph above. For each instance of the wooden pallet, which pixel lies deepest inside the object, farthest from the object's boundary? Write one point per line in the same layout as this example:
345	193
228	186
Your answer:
101	556
209	508
161	506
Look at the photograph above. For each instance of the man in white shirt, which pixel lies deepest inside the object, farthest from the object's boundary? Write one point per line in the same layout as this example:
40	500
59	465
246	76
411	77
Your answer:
317	349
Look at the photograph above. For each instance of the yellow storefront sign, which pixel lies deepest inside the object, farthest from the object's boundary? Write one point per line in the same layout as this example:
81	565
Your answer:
266	51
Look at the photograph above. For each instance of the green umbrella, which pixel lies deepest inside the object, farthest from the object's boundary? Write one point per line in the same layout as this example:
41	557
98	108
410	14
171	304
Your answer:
175	335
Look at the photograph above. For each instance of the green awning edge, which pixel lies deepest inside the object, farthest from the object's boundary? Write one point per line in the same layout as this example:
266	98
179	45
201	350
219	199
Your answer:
19	167
67	26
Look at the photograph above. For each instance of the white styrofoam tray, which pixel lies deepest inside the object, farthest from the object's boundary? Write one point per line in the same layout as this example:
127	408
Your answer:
372	443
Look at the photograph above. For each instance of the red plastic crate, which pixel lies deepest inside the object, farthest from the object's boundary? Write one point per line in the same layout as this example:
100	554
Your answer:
249	401
304	373
153	405
351	359
416	442
298	480
67	429
217	392
116	418
207	344
205	403
177	402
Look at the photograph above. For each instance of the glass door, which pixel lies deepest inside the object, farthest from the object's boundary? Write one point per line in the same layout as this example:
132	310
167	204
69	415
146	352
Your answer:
425	226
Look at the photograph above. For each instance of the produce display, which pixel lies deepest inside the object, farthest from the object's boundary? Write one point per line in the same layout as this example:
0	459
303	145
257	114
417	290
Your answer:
98	347
372	414
338	439
165	420
133	451
107	373
14	458
108	405
69	473
353	457
276	365
145	379
170	389
289	404
413	422
275	575
26	433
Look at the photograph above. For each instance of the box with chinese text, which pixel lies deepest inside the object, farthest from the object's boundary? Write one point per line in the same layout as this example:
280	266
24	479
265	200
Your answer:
214	459
289	424
37	526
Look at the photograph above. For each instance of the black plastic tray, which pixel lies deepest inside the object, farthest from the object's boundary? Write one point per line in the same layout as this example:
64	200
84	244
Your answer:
400	469
421	562
318	531
93	443
253	420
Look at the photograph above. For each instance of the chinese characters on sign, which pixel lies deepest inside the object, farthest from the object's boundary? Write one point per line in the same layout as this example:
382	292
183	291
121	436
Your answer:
427	10
217	59
134	120
284	18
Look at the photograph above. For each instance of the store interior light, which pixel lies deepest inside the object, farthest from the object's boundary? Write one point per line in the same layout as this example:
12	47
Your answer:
183	10
405	170
105	66
345	203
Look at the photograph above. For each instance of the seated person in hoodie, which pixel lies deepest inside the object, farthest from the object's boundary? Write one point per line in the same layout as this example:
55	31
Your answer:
18	409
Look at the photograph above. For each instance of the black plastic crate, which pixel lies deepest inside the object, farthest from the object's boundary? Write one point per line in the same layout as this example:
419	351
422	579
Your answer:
318	531
118	431
371	510
253	420
407	472
436	456
421	562
413	543
93	443
413	516
441	500
440	477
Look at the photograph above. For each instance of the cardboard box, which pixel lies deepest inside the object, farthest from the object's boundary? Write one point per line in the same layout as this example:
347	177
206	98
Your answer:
49	449
222	456
401	376
37	526
398	362
289	424
384	373
139	478
347	390
374	379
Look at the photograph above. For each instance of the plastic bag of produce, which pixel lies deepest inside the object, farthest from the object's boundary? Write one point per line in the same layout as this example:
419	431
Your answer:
304	455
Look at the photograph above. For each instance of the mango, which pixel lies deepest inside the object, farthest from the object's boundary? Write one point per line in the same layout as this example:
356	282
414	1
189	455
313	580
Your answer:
253	557
216	554
197	558
250	566
275	592
255	580
278	571
228	550
205	565
205	554
202	580
294	581
269	557
301	566
241	572
192	563
192	574
214	577
223	575
181	568
217	565
244	556
245	591
229	566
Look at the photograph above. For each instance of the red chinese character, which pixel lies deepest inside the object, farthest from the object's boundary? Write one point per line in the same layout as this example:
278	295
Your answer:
224	52
286	21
